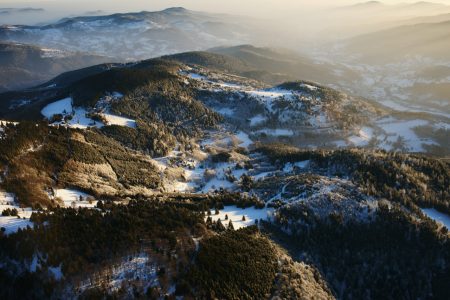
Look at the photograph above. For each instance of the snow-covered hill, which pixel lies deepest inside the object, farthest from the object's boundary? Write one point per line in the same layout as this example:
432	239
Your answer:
311	115
134	35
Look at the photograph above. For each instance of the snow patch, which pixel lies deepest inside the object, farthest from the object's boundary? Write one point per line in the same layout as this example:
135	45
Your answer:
74	198
398	130
236	214
13	223
289	167
257	120
79	116
56	272
63	106
244	138
226	111
365	134
118	120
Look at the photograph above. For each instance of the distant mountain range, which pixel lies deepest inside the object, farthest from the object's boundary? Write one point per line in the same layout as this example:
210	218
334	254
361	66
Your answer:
403	8
374	16
132	36
25	65
430	40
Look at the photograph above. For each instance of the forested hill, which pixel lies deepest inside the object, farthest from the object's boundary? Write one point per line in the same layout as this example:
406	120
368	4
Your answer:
193	176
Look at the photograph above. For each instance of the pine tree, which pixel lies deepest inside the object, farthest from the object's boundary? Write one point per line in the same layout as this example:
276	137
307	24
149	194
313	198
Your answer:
219	226
230	226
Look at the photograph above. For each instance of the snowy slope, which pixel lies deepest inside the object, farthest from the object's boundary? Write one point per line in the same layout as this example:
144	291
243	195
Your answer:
301	114
133	35
79	117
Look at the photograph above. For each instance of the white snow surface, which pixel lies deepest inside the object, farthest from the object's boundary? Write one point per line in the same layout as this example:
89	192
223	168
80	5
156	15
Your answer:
13	223
71	198
226	111
58	107
365	134
79	118
244	138
118	120
235	214
396	129
56	272
257	120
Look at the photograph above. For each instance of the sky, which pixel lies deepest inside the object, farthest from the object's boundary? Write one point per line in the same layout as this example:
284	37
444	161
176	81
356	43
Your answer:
56	9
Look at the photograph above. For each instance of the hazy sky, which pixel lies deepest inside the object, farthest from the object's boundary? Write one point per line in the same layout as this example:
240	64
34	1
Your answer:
55	9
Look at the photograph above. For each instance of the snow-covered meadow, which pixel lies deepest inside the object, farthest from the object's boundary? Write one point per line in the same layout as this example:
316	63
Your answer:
79	117
235	215
12	223
74	198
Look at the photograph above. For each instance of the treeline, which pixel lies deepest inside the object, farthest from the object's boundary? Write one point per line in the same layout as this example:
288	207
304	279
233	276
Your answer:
82	241
394	256
234	265
409	179
79	241
212	201
88	90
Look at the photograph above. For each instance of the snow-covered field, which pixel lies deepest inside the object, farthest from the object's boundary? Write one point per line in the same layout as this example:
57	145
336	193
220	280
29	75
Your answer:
63	106
74	198
80	117
236	215
118	120
13	223
438	216
401	130
70	198
365	134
